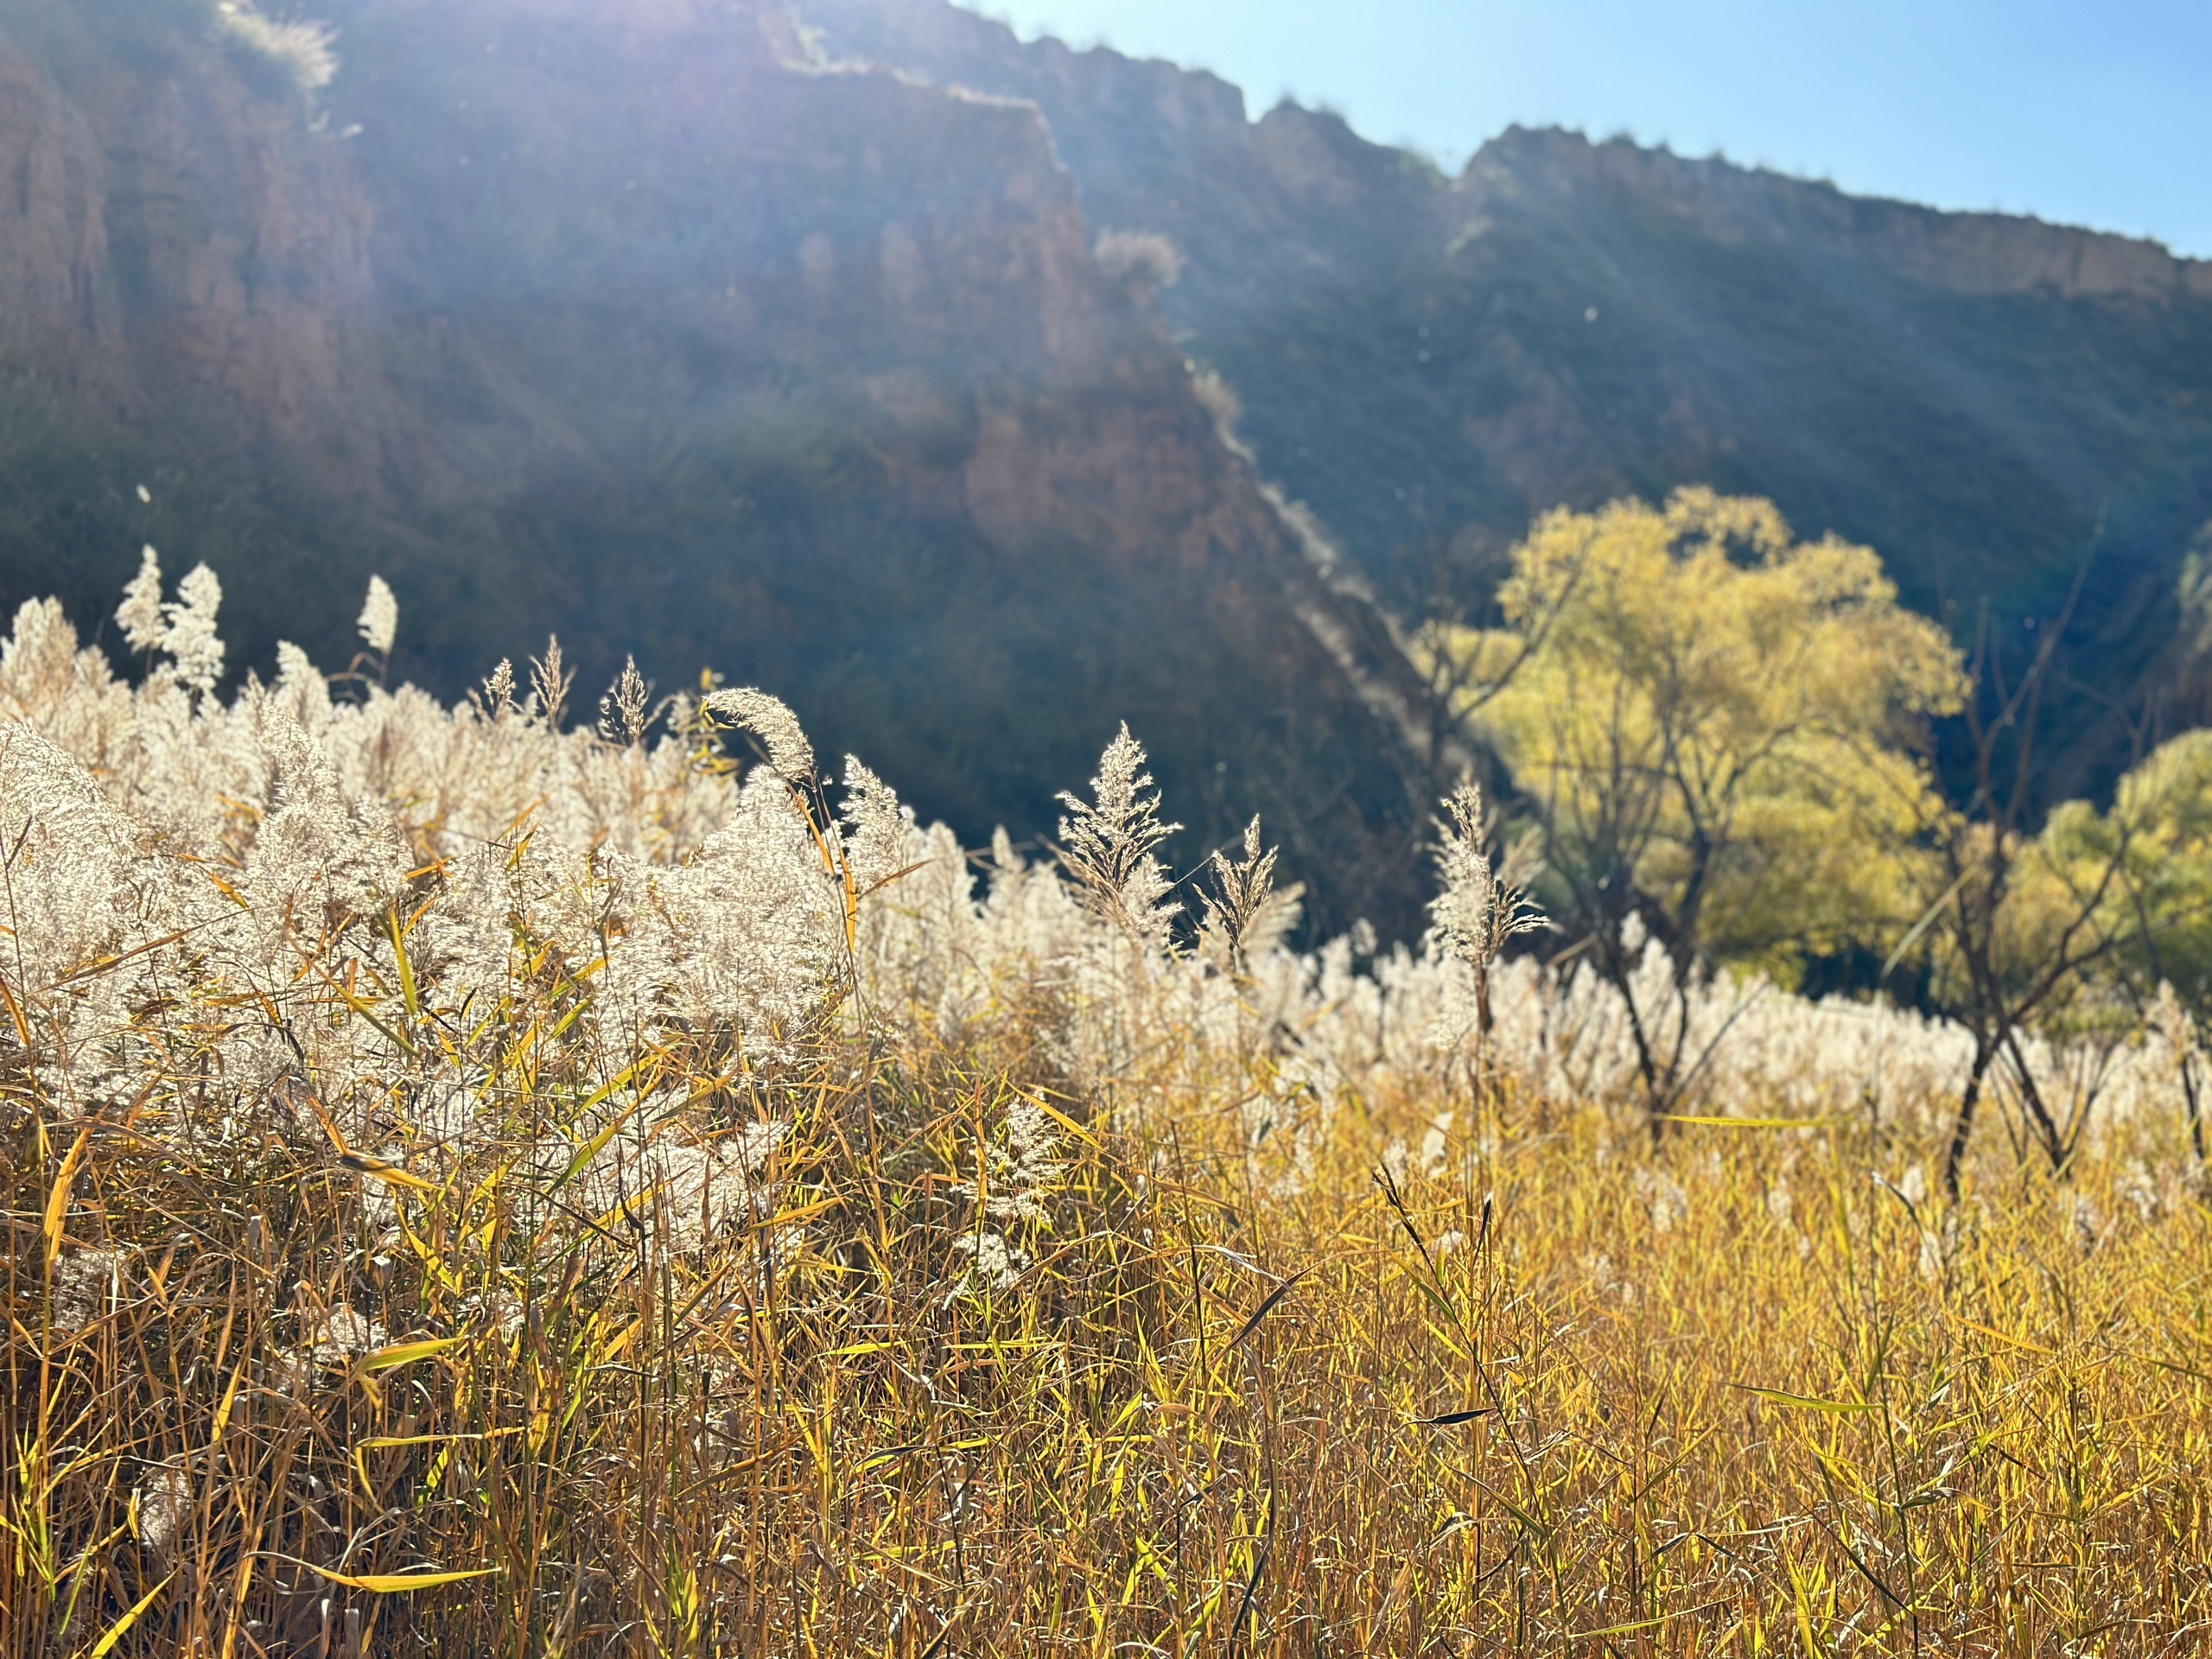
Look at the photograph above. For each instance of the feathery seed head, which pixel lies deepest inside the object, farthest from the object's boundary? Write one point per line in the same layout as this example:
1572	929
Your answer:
791	757
190	637
622	717
301	690
1107	845
140	613
499	697
1480	909
1242	892
550	684
380	620
39	658
877	828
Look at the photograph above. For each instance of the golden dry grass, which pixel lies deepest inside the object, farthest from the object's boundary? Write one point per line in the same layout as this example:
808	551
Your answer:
609	1208
1565	1395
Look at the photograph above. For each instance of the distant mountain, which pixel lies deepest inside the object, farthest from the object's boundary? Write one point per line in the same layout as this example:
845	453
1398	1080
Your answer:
1428	362
954	387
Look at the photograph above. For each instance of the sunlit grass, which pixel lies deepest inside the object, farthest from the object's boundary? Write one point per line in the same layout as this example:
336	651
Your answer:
550	1197
1754	1392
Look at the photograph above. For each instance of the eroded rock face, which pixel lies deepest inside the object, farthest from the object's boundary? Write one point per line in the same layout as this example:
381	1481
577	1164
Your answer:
1962	253
1427	362
57	313
186	257
651	325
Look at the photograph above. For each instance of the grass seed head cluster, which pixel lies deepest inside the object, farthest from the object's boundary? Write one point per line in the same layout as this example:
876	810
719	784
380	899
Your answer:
479	1186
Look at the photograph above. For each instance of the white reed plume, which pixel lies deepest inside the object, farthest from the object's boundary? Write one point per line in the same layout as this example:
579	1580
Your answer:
498	697
791	757
190	637
1242	892
140	613
1481	908
550	682
878	832
380	620
1107	843
622	711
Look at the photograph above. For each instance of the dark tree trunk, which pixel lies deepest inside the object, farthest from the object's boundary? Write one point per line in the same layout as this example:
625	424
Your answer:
1984	1052
2191	1105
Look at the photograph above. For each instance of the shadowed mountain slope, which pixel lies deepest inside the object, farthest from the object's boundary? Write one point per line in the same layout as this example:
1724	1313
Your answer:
634	323
834	347
1427	362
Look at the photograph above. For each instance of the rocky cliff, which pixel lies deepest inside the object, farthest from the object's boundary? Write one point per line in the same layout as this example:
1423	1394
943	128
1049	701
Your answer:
1992	401
178	253
965	391
648	325
1732	207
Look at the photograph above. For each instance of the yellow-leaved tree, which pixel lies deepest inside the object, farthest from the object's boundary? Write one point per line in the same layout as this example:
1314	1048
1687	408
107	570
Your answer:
2159	831
2087	933
2163	824
1719	733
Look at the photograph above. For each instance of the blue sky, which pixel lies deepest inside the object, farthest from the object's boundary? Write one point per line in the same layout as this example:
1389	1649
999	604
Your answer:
2096	114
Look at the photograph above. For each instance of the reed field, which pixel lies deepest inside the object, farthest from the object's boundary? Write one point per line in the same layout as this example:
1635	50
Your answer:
483	1184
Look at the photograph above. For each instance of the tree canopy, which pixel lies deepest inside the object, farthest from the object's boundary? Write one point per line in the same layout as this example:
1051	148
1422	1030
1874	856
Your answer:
1716	729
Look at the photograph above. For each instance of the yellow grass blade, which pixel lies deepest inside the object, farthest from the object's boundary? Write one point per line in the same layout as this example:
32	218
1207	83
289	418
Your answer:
2017	1342
230	1399
387	1442
109	964
57	1201
22	1035
395	1584
1648	1624
117	1631
406	1353
1063	1120
390	1174
398	934
1755	1123
596	1145
1805	1401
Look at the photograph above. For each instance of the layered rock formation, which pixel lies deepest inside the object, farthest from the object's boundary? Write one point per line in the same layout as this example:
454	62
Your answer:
847	346
1992	402
646	325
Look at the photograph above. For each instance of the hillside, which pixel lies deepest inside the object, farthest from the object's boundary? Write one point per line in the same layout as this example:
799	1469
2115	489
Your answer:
784	341
1427	362
634	323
